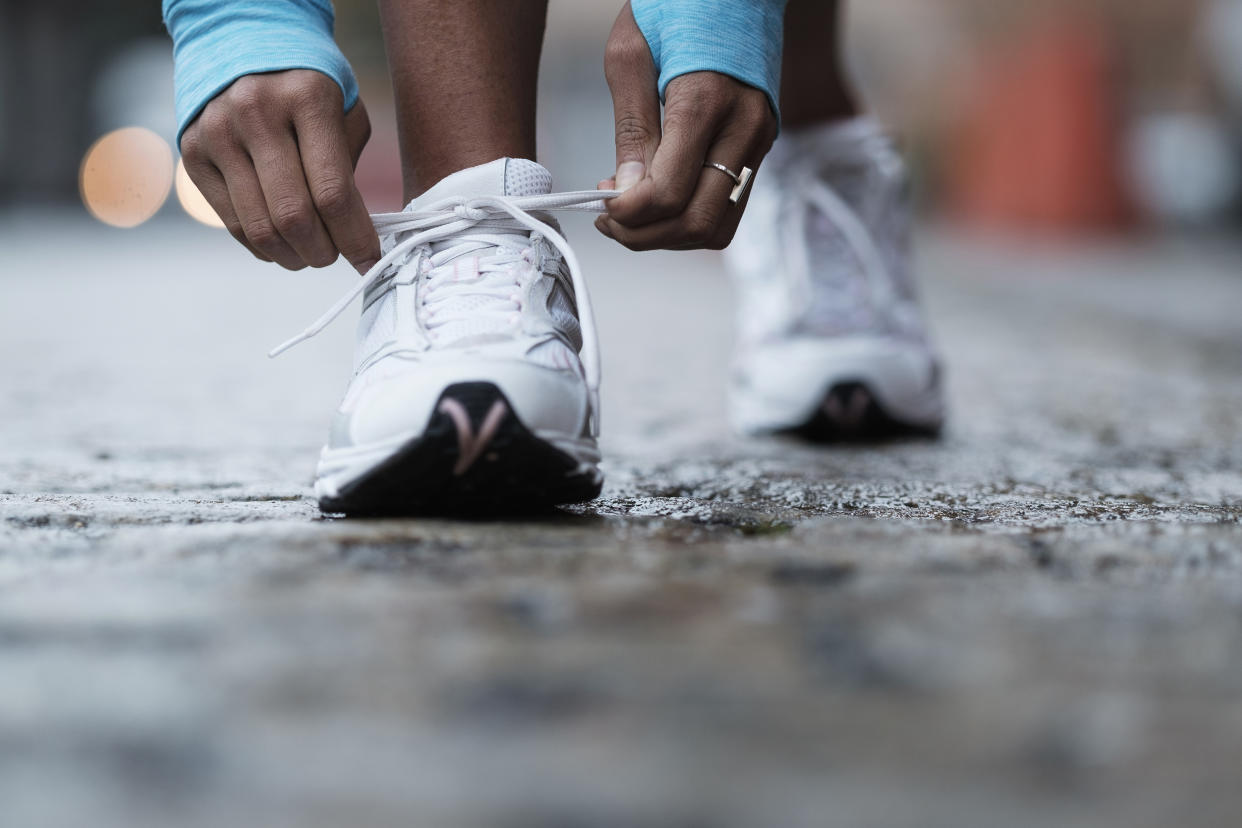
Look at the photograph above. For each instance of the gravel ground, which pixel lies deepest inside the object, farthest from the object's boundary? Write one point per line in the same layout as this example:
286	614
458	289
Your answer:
1034	620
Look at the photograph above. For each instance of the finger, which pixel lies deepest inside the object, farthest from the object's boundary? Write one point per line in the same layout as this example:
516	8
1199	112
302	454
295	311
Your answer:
208	178
210	182
674	172
604	226
634	84
324	145
250	207
280	168
709	218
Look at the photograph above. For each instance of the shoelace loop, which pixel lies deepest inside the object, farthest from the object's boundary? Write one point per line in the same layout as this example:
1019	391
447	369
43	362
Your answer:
472	213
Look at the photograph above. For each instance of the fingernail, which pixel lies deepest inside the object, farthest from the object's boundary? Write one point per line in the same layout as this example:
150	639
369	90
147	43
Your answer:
629	173
363	267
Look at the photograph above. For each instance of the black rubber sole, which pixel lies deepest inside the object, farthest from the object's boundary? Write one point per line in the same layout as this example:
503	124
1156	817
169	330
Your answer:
474	458
850	413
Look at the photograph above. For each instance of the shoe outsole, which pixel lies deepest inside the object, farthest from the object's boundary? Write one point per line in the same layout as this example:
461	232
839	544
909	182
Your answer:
475	457
851	413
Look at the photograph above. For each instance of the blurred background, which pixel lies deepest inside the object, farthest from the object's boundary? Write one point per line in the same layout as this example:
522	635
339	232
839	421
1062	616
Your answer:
1062	116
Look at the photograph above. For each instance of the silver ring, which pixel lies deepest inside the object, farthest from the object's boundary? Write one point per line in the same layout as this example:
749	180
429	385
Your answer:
740	181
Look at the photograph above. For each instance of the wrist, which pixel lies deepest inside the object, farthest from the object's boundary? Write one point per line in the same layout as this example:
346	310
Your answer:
739	38
214	44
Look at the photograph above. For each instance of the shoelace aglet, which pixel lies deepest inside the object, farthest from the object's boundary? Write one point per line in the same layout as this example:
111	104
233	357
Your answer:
319	325
289	343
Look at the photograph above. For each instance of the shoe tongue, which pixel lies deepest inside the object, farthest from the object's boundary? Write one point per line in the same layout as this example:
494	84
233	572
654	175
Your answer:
504	176
466	319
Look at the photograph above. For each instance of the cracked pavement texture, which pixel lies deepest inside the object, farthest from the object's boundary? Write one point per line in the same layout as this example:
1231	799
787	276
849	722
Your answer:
1034	620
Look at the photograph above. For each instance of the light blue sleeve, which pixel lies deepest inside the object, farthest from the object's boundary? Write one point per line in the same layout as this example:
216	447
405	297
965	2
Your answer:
743	39
215	42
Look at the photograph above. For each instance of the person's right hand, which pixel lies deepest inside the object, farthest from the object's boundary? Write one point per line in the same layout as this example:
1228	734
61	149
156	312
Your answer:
274	156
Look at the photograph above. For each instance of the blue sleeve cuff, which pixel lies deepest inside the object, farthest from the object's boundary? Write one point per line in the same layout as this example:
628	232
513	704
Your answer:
743	39
215	42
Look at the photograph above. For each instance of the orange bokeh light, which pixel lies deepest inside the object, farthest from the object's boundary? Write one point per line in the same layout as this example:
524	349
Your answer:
126	176
192	200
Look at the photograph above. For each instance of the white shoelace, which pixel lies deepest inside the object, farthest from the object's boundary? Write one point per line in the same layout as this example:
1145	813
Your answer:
448	297
459	216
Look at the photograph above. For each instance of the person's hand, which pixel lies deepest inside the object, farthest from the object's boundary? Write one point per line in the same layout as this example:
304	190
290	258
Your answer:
671	200
274	156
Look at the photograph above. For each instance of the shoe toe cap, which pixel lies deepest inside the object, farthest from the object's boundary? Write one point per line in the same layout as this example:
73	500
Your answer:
399	407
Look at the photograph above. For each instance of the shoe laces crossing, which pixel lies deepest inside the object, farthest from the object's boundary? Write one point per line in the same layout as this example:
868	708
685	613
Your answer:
487	289
473	224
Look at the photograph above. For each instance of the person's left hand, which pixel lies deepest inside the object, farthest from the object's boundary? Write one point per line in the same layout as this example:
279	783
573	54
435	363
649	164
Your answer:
671	200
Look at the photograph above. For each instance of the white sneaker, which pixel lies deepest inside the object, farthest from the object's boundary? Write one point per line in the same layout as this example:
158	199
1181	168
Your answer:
469	388
831	341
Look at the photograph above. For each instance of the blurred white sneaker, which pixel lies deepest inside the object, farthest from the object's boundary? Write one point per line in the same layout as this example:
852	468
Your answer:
831	341
469	390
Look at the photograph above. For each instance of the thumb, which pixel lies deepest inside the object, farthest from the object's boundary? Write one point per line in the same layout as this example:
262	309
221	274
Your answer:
633	81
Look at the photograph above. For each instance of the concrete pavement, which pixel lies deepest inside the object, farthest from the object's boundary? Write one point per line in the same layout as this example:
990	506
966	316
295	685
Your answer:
1034	620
